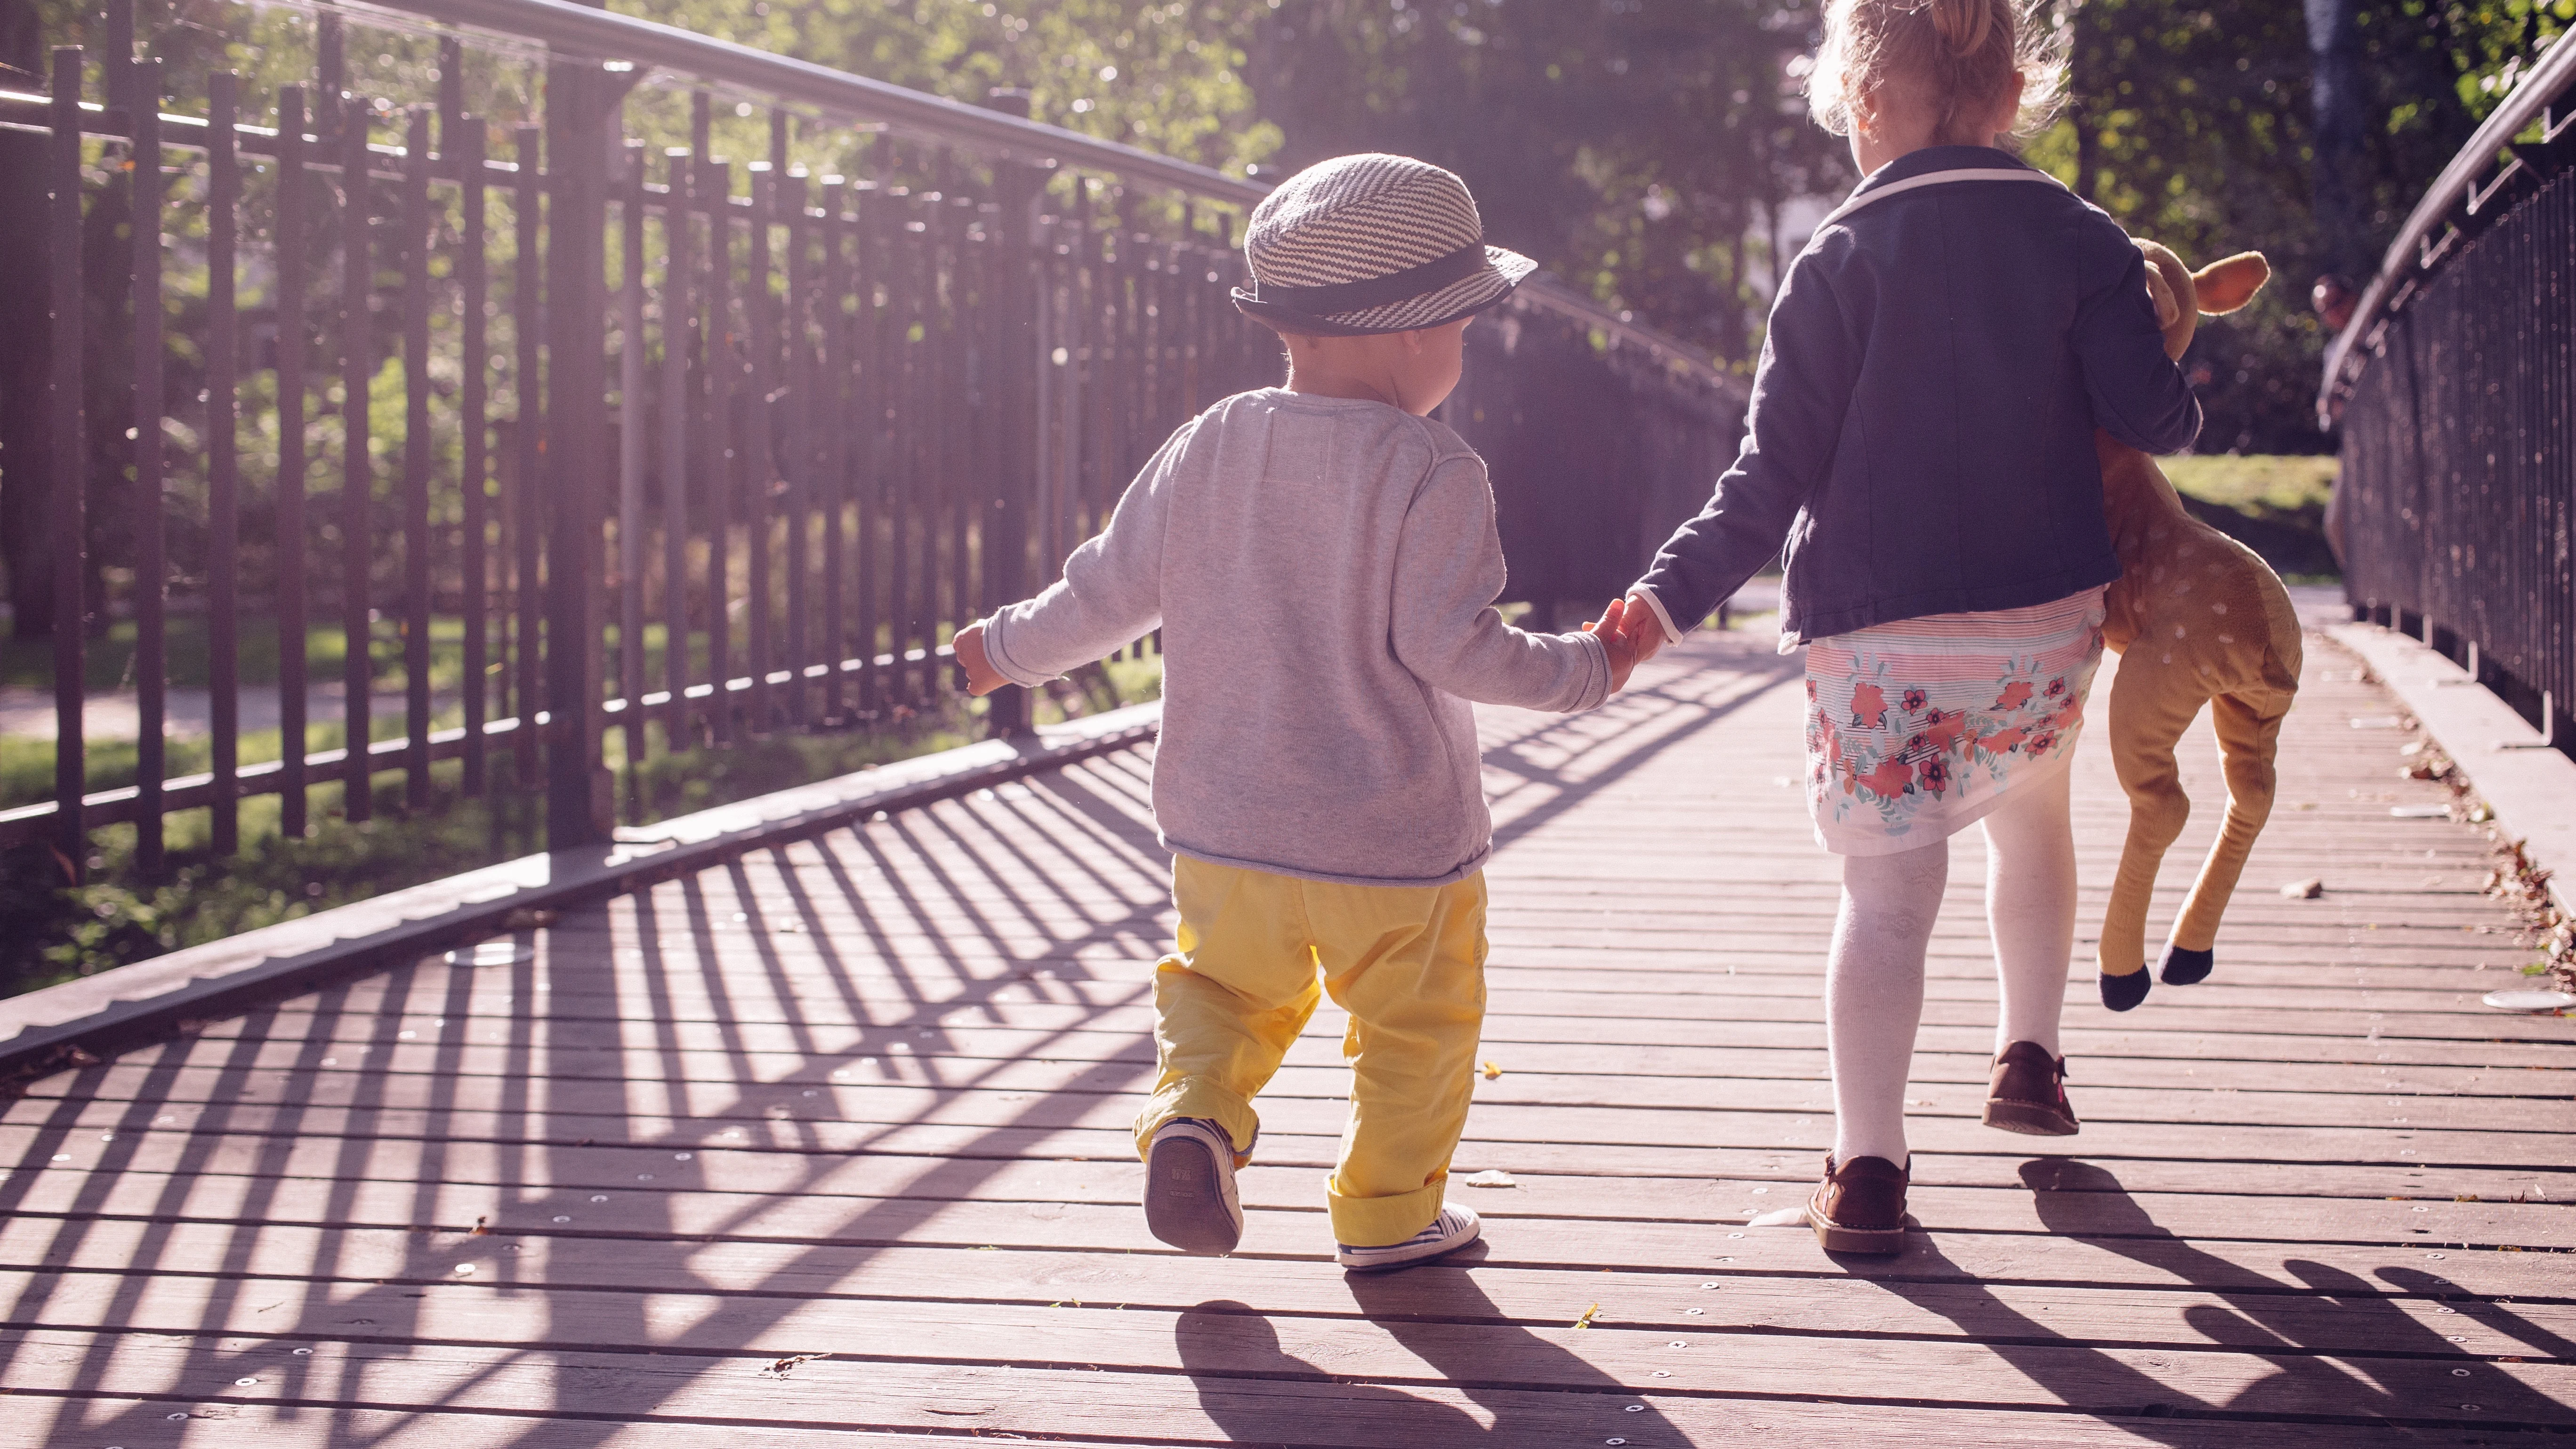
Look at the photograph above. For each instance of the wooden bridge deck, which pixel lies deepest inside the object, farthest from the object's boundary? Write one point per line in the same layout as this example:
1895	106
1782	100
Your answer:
834	1140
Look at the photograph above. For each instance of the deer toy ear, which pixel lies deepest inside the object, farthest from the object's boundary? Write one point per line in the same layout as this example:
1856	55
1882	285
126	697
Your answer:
2227	285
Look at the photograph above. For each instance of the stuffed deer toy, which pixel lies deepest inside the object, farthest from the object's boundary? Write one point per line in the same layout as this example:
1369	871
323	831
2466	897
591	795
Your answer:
2196	618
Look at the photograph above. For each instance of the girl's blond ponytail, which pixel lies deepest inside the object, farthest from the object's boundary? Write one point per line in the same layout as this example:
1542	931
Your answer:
1963	25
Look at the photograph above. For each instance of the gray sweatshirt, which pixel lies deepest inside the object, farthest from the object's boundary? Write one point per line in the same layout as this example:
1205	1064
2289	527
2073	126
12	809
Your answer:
1324	573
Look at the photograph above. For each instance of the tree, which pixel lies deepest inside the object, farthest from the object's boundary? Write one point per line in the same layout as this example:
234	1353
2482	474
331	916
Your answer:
1642	149
2199	126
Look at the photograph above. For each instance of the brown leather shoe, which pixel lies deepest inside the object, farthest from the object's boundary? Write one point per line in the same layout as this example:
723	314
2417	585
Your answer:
2028	1093
1859	1207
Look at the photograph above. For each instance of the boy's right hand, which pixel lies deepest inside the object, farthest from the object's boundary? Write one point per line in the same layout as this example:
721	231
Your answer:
1617	641
981	677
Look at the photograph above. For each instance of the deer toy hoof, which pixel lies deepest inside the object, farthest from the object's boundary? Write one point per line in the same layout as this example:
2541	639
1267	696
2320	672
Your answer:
2123	992
2184	967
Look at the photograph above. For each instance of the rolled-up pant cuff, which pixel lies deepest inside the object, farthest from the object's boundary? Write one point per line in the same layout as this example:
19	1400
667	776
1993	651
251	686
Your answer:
1376	1222
1199	1097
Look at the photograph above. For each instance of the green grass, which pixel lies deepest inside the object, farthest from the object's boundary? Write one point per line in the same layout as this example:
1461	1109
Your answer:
2257	485
108	660
27	766
2275	505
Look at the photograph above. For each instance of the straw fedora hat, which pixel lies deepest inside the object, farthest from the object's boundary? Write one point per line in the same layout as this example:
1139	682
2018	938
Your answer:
1372	243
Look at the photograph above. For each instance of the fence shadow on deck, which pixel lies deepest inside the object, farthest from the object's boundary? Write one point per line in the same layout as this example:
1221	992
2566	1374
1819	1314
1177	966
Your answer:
331	1154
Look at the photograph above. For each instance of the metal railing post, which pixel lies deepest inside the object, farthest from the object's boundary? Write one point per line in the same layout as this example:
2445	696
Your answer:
70	447
1013	489
579	791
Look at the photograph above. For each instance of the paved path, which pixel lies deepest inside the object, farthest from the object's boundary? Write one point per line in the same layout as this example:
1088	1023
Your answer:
834	1140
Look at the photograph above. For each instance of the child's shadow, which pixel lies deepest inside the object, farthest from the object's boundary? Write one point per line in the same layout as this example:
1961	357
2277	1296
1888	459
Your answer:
1258	1392
2081	1200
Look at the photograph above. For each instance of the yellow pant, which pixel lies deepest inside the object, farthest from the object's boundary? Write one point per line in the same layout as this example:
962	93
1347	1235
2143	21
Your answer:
1407	963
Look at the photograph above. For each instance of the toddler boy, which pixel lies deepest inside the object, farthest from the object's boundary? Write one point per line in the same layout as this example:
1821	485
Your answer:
1321	559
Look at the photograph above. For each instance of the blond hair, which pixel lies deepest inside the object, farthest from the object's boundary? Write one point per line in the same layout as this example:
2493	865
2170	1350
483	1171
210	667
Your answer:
1954	56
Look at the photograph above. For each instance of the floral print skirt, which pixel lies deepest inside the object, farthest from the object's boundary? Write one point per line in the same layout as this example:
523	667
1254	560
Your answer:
1916	729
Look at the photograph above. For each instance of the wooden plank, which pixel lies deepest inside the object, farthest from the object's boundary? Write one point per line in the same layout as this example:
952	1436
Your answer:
1378	1335
781	1161
840	1124
2059	1196
823	997
2143	1254
490	1013
84	1281
1072	1405
145	1424
712	1053
866	1095
1586	1370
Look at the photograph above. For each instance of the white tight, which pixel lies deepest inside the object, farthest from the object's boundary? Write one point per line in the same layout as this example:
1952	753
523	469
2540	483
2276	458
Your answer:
1874	972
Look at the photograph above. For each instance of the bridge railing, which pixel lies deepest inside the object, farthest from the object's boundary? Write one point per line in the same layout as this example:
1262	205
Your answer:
2454	388
513	443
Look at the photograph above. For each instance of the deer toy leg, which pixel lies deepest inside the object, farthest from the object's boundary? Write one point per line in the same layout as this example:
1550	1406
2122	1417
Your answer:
2249	730
2150	709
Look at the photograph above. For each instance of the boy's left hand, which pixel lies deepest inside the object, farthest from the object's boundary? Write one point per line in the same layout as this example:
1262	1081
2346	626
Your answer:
1616	640
981	677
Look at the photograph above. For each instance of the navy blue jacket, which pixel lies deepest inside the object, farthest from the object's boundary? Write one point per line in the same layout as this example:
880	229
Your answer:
1921	432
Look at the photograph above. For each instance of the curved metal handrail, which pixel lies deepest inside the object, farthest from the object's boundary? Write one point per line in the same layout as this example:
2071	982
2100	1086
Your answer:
2413	251
582	31
605	35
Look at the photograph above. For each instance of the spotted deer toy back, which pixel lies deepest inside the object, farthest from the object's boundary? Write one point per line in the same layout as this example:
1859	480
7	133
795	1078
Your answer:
2197	619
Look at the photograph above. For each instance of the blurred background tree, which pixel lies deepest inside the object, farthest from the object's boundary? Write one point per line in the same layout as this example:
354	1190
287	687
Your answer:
2199	125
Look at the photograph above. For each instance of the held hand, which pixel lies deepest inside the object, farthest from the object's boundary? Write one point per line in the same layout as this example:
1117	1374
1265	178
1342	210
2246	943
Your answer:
1615	640
1644	627
981	677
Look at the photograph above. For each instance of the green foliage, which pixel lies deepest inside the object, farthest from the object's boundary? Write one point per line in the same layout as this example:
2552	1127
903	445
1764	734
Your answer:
1642	149
2193	124
1166	77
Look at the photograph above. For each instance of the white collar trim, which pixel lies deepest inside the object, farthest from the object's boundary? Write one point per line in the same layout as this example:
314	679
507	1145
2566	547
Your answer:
1937	178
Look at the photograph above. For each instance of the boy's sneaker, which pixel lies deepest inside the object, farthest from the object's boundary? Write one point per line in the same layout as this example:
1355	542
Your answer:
1189	1187
1455	1228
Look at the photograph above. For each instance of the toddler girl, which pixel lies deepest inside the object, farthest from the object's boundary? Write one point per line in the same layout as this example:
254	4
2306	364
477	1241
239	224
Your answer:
1921	437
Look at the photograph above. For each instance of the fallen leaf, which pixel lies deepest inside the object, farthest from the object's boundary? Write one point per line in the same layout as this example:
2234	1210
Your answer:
481	1229
782	1367
2303	890
1492	1071
1586	1320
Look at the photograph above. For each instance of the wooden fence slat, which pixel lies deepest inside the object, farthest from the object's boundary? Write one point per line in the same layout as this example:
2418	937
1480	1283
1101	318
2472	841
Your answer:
223	459
759	468
463	137
357	464
67	436
632	432
797	483
525	498
147	194
833	418
681	350
724	442
419	236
